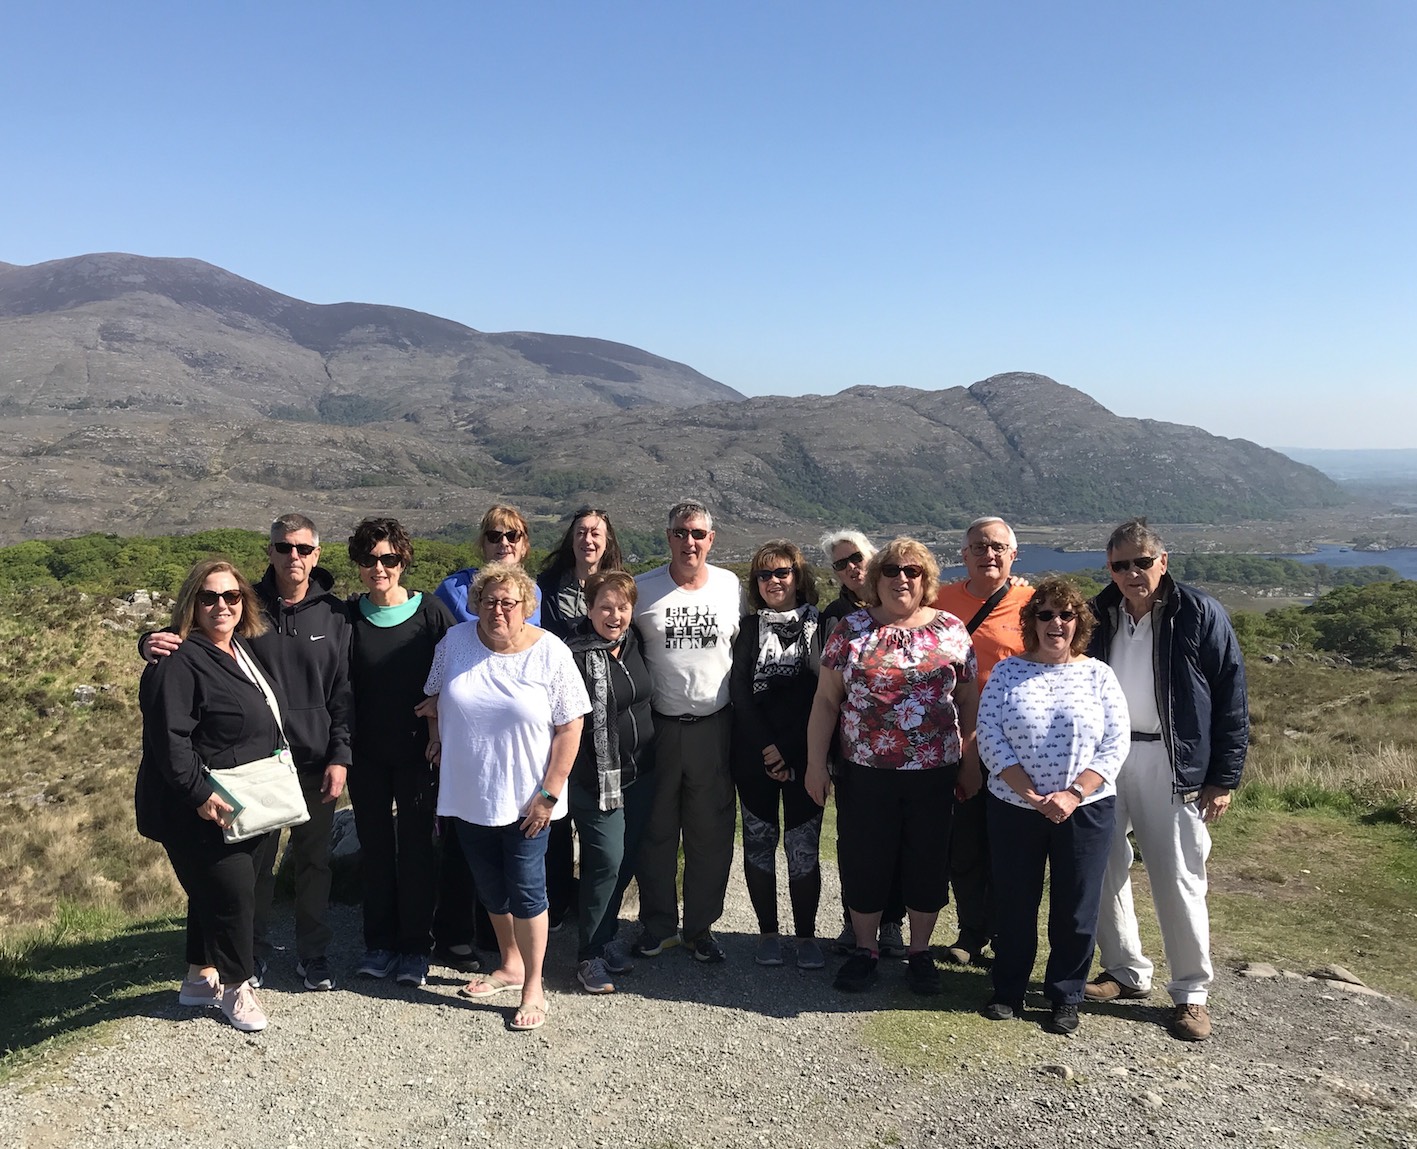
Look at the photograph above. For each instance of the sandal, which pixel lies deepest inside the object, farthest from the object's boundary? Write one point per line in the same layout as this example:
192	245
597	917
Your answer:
487	985
529	1016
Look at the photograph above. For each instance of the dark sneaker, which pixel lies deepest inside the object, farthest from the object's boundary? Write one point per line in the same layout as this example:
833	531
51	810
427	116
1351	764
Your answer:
1003	1010
921	974
316	972
1108	988
258	978
1190	1022
857	973
594	977
1064	1019
890	940
705	948
769	951
650	946
617	957
845	941
461	958
412	970
809	954
378	963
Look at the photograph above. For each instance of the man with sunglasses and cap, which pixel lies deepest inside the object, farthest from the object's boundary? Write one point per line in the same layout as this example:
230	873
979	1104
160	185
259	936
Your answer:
688	612
1177	658
307	652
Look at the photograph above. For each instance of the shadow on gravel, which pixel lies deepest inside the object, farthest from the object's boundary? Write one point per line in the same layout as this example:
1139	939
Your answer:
55	990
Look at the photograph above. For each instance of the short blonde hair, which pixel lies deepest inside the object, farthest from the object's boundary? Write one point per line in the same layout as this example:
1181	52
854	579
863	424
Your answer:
905	551
513	575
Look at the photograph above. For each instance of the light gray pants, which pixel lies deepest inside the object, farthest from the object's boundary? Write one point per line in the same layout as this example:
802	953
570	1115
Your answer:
693	799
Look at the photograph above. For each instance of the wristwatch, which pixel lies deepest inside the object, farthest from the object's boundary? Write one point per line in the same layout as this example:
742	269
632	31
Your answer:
1076	791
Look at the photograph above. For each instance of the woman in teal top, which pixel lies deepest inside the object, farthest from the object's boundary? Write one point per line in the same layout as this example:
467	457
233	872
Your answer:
394	633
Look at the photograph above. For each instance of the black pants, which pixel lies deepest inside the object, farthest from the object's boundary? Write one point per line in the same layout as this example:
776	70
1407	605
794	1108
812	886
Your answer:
220	883
398	860
774	811
895	819
460	919
969	872
561	889
310	859
1022	844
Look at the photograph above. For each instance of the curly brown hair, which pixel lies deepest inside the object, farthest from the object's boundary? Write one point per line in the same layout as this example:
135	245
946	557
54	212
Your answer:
371	531
803	579
1062	594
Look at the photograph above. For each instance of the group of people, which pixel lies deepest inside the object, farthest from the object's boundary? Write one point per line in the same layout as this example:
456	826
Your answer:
980	734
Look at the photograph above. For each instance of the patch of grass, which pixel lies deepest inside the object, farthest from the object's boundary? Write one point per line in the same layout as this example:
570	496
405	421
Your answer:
67	982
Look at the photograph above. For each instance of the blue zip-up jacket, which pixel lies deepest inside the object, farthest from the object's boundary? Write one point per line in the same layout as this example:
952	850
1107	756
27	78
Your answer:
1200	682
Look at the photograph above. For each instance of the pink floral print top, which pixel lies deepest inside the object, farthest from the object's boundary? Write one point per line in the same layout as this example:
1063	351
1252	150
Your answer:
899	711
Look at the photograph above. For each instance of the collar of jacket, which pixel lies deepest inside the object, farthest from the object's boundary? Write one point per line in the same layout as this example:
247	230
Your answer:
321	582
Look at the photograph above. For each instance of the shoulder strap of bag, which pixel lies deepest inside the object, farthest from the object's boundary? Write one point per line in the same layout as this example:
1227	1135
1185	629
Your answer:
987	609
253	672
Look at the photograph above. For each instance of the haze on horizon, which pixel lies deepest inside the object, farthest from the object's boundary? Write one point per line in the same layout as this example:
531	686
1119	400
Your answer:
1197	213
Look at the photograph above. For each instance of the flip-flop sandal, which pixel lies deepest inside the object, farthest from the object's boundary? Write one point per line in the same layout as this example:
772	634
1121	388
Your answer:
488	985
536	1015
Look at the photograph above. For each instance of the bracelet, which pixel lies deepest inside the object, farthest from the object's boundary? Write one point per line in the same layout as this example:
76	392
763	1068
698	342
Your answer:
550	797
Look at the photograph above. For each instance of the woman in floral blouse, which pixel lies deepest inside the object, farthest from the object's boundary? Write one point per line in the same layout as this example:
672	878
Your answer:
898	682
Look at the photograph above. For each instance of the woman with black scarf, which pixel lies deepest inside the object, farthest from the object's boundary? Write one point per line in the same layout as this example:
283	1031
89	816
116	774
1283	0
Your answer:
775	661
611	788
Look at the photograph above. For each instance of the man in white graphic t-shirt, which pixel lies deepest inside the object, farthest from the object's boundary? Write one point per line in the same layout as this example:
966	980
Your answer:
688	613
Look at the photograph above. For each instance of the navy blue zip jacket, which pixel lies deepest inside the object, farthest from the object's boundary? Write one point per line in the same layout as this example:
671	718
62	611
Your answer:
1200	682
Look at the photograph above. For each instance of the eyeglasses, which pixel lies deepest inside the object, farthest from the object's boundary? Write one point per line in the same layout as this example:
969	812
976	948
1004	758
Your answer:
854	559
698	534
305	550
505	605
513	536
782	574
894	570
209	598
982	549
391	561
1142	563
1050	615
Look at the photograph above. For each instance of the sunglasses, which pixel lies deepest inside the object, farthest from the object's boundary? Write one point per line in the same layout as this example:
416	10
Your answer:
305	550
209	598
698	534
854	559
909	570
513	536
782	574
1143	563
982	549
391	561
1050	615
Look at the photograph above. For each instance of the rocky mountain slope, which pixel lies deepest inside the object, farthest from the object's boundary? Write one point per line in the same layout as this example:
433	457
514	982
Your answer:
151	395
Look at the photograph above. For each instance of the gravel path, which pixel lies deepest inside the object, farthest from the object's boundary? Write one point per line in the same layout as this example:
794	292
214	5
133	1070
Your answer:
735	1055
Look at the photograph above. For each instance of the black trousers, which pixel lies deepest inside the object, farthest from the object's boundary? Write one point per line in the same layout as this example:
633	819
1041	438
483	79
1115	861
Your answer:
561	886
220	883
1022	844
310	859
459	919
969	872
398	859
889	820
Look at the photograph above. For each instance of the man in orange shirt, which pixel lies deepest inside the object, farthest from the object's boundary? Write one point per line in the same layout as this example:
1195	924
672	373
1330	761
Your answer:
988	604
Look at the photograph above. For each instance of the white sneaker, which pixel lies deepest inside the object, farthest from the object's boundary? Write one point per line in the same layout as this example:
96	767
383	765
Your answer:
242	1009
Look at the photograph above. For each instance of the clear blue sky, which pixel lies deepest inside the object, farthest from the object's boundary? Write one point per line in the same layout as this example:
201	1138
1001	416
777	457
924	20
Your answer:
1198	212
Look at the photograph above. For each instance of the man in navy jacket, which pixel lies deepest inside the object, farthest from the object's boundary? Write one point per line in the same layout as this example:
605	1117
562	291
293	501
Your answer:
1177	658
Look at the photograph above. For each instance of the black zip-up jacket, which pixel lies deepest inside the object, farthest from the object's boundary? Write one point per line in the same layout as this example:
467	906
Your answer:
199	710
1200	682
630	697
307	651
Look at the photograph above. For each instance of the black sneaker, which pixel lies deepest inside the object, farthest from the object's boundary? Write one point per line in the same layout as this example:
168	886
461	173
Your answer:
459	957
705	948
258	975
316	972
857	973
1003	1010
921	974
650	946
1064	1019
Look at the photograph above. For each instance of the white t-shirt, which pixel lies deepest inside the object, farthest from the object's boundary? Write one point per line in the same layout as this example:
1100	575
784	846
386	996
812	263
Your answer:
1055	721
496	716
689	639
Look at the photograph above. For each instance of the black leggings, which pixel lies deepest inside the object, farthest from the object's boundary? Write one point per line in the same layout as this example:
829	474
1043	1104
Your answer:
760	798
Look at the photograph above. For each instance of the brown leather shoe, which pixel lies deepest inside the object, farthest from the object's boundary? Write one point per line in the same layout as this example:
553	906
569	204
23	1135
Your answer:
1190	1022
1108	988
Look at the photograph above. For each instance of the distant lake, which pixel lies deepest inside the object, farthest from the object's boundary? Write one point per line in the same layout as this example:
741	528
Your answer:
1035	559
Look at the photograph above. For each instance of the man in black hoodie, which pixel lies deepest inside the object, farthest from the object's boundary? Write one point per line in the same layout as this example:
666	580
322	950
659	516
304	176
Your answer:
307	652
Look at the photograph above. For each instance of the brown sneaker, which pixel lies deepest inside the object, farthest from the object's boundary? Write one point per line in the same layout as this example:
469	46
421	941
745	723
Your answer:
1108	988
1190	1022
